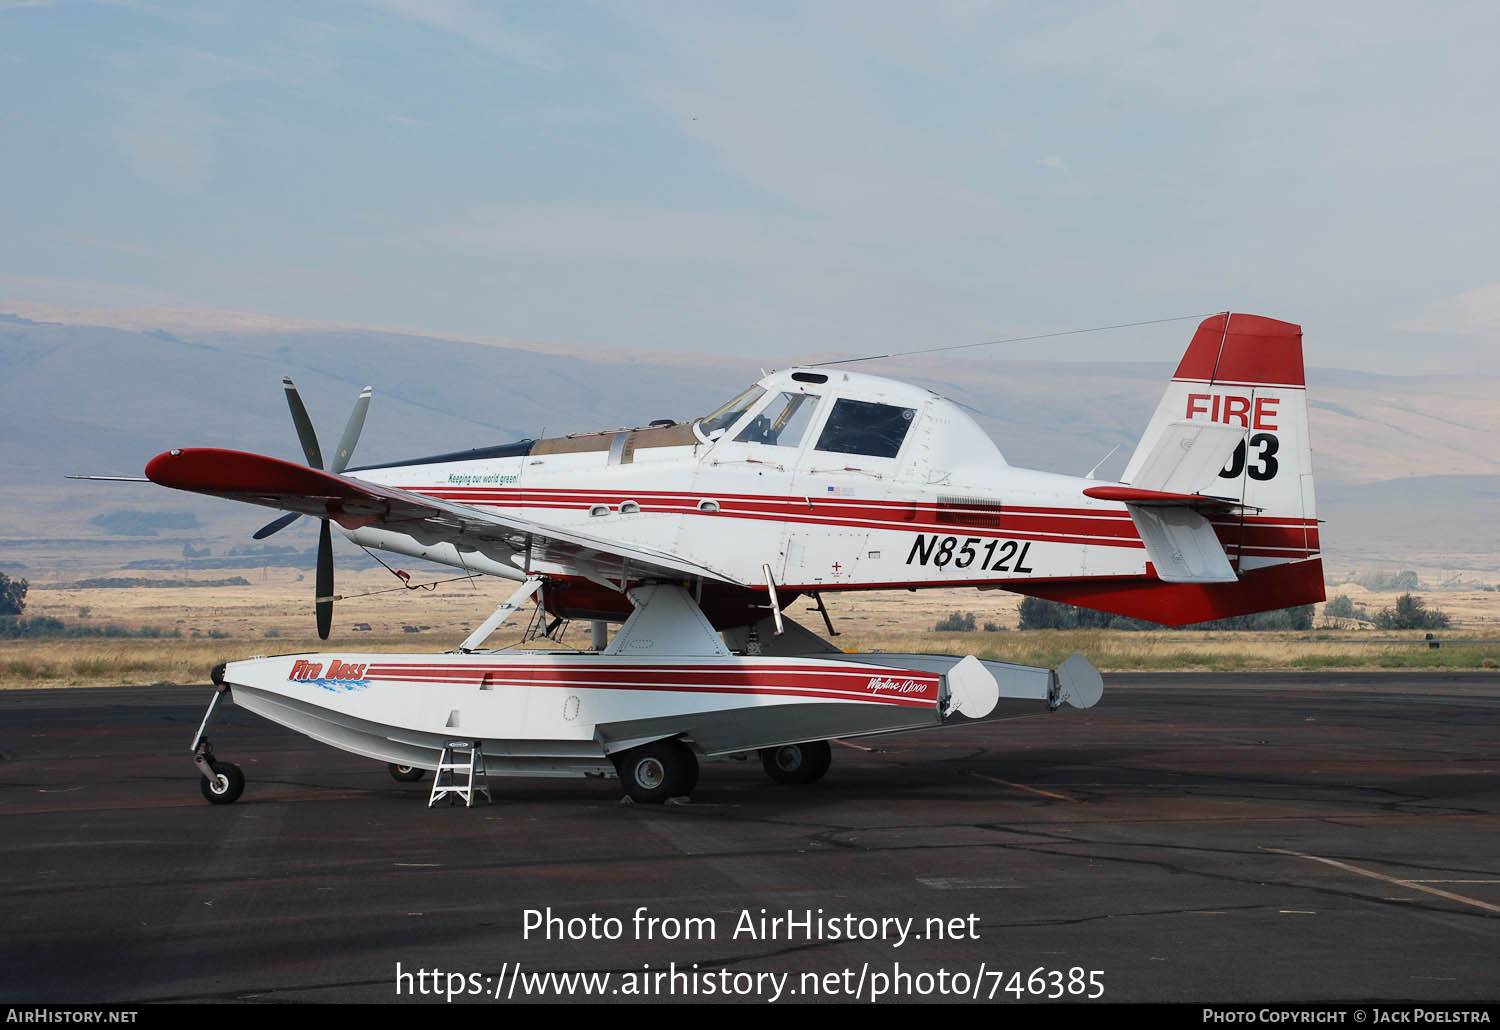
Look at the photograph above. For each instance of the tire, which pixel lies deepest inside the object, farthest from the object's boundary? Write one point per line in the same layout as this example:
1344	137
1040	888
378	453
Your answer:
656	771
405	773
226	786
797	763
690	772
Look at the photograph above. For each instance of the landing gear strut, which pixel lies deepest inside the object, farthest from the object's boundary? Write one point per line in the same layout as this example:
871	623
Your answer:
221	782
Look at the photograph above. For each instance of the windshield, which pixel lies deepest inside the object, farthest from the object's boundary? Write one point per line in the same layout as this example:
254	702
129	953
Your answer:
782	422
727	415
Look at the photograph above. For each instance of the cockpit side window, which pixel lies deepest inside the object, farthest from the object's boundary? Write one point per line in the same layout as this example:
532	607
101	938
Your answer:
727	415
864	427
782	422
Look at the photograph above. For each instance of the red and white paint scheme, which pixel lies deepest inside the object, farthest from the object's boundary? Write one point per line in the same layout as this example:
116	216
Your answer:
666	682
814	480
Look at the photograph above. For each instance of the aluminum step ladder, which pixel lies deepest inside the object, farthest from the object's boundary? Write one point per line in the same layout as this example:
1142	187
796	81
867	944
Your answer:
460	774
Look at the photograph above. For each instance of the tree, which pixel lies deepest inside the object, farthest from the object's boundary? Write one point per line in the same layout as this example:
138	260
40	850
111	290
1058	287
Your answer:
1410	613
1341	607
1405	580
1039	613
12	595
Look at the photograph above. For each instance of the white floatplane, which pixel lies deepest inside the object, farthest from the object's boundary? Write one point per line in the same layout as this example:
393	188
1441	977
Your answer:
696	535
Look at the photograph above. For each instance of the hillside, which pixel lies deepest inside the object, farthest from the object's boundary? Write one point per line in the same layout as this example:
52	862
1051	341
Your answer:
1406	473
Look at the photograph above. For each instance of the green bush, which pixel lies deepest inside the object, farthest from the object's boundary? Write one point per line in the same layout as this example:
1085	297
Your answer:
46	626
1410	613
957	623
1037	613
1343	608
1383	582
12	595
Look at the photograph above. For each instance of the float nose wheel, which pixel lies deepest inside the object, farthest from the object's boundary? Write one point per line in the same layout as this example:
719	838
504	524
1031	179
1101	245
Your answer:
221	782
226	784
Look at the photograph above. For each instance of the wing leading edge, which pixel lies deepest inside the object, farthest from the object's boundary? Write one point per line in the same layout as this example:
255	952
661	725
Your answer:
355	504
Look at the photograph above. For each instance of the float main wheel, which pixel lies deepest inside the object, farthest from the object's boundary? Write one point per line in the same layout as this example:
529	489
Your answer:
656	771
797	763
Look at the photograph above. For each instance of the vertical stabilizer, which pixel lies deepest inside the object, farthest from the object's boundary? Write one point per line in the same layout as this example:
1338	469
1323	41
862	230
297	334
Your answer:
1245	371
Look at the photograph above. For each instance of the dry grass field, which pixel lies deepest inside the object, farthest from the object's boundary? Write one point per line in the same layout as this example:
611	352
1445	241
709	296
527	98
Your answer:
273	615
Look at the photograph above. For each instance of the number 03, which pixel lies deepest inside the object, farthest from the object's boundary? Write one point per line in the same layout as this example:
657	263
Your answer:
1263	465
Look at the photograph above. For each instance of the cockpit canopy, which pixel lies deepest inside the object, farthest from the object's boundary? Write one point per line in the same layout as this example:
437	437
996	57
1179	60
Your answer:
782	418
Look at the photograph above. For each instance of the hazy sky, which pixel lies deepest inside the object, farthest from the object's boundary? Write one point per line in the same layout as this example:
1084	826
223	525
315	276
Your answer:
767	178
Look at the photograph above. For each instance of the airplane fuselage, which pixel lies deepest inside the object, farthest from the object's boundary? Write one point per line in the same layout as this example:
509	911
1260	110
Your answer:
931	503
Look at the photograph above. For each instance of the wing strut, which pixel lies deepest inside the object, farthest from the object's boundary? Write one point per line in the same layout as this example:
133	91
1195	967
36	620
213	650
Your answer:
775	601
510	604
823	610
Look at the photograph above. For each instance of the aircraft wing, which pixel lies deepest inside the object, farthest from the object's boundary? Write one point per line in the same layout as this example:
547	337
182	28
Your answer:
354	503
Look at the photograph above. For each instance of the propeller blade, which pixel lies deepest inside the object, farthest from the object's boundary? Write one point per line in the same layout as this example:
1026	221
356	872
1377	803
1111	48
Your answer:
351	433
277	526
303	423
324	599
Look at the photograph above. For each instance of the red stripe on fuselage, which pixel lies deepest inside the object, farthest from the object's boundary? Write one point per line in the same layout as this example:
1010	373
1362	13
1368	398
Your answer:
1106	527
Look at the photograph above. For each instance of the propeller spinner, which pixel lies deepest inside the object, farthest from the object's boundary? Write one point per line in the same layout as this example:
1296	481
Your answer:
323	599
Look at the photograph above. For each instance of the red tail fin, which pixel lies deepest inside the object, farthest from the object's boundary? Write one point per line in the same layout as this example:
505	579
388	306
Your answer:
1243	371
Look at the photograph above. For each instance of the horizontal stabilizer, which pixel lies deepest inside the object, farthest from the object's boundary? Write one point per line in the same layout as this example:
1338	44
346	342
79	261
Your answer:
1187	457
1160	499
1182	545
1165	499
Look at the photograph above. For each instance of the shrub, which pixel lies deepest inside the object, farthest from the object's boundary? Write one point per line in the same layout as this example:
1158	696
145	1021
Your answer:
1037	613
957	623
12	595
46	626
1343	608
1410	613
1385	581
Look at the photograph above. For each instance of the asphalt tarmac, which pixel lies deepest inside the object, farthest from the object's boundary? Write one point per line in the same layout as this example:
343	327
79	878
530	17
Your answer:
1231	838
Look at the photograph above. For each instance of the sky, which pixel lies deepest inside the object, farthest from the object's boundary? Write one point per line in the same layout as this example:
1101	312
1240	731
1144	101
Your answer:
778	179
